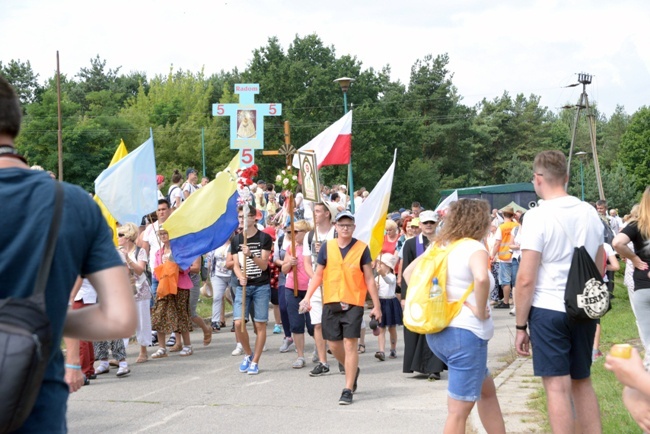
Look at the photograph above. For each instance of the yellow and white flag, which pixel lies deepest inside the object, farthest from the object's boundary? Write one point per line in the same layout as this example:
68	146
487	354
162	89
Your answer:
370	218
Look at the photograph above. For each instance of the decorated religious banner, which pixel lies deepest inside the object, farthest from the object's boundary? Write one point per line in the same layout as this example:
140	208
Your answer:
247	121
309	176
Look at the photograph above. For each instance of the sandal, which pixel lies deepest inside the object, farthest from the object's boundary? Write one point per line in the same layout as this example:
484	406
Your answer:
186	351
207	337
177	347
380	355
162	352
142	358
361	349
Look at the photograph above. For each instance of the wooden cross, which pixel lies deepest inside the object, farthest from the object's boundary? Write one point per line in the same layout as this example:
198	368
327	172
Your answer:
288	150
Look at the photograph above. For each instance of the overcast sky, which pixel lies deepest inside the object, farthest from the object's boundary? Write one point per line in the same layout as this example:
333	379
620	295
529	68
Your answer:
529	47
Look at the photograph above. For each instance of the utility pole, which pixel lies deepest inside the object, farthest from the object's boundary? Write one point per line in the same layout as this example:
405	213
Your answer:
583	103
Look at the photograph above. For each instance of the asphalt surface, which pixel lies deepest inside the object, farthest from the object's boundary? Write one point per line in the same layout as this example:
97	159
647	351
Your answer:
206	393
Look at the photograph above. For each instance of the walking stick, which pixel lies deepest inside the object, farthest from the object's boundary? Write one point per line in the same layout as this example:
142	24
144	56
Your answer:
243	287
294	268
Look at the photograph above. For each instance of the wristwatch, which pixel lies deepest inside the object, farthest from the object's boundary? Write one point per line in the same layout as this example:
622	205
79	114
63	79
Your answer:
522	327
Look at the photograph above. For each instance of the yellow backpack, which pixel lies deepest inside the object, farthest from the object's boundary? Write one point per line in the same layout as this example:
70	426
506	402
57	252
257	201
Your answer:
423	314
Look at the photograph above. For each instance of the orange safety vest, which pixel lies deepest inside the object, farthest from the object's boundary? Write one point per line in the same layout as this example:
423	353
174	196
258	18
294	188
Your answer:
505	254
343	279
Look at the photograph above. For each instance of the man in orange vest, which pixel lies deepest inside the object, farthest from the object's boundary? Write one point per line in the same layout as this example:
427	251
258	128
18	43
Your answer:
345	271
502	251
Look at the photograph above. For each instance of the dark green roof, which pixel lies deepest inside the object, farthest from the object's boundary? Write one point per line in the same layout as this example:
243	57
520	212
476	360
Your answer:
493	189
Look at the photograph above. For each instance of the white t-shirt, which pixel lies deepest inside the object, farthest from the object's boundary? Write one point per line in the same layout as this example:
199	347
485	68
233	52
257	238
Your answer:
189	188
175	192
86	293
542	233
150	235
387	285
322	237
459	277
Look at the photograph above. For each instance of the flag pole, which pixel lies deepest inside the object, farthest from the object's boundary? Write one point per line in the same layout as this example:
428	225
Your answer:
58	105
203	148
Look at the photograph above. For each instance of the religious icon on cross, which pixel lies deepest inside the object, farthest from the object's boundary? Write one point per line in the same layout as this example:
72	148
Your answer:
247	121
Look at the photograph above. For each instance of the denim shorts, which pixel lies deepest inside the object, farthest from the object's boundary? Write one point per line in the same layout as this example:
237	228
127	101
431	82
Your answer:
465	355
257	295
505	273
560	345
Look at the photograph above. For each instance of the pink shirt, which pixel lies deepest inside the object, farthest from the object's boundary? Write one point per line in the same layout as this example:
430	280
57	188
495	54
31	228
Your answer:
303	278
184	281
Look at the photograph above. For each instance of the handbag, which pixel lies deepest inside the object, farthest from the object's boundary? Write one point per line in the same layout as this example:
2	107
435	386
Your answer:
585	296
167	275
26	338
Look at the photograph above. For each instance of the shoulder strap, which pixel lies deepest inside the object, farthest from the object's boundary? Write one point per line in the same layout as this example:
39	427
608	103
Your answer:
50	244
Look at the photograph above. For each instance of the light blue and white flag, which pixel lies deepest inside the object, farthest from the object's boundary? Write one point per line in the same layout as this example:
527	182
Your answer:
128	188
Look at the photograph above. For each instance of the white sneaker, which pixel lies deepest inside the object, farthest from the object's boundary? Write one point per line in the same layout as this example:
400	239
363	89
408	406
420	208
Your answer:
512	311
238	351
264	349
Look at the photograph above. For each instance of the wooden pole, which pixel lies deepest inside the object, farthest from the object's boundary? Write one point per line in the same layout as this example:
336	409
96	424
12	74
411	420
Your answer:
294	268
243	288
59	133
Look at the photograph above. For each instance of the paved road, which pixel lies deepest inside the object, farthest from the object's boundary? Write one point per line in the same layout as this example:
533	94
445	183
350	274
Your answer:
206	393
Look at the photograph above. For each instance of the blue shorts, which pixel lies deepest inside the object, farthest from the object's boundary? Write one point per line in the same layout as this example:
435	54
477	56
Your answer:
505	273
259	296
297	321
560	346
465	355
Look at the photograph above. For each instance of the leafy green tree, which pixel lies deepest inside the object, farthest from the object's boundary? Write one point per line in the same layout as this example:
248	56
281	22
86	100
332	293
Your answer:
176	107
21	76
635	147
611	132
508	130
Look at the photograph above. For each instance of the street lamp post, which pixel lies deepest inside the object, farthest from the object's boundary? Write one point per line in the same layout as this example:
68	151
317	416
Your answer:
582	175
345	82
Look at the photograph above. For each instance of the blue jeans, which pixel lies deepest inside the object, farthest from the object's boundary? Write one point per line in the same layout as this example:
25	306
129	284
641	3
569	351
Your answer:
465	355
515	270
154	290
259	296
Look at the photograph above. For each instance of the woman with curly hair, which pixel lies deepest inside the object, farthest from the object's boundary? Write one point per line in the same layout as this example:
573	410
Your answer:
462	346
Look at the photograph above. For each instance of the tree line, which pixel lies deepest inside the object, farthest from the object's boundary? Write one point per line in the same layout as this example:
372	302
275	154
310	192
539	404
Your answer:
441	143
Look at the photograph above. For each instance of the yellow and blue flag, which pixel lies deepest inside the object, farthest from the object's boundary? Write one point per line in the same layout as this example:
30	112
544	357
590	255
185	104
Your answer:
206	219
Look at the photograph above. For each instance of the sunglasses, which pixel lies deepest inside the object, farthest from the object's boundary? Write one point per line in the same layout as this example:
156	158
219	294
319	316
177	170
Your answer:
120	235
294	232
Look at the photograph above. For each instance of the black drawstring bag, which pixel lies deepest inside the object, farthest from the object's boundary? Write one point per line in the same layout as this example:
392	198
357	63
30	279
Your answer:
586	296
26	339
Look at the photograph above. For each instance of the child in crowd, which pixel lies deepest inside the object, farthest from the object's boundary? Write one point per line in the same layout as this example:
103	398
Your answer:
391	309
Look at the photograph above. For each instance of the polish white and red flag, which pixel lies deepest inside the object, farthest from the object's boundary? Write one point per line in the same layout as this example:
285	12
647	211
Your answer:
332	146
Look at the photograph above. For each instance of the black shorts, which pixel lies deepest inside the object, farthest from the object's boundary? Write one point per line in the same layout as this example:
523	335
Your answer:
338	324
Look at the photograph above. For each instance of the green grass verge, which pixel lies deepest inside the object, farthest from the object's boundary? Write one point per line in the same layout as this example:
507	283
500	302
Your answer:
204	307
618	326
